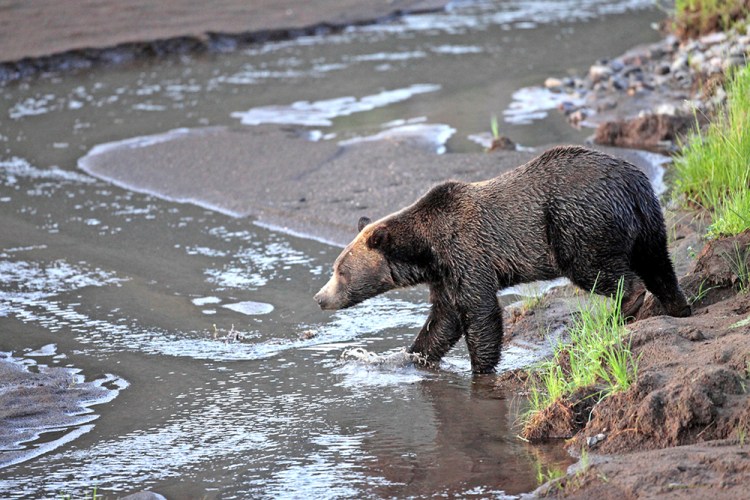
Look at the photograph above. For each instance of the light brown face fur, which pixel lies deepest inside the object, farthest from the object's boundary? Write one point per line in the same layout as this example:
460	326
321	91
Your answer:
359	273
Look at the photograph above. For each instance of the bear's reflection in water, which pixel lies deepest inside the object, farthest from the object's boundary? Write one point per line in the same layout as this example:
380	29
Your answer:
450	434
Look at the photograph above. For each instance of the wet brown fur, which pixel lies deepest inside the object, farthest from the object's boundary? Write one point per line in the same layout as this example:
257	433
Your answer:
570	212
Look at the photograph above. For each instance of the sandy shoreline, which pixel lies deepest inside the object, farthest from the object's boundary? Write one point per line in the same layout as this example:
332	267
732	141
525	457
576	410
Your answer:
38	36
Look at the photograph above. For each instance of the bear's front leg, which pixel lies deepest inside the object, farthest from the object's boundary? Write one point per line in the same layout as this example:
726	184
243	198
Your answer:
440	332
484	334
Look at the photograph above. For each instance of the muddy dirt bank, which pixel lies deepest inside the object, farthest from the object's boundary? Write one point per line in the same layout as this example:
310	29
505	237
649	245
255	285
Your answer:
37	36
680	431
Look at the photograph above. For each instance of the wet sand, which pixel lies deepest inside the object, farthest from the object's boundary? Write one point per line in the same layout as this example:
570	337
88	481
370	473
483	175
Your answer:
36	28
315	189
37	401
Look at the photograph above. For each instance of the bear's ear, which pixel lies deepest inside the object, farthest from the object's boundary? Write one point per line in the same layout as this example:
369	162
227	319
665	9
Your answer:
379	238
363	221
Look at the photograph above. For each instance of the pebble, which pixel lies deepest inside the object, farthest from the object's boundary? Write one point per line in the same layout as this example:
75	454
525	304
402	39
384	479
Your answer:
592	441
144	495
713	38
679	63
553	83
599	72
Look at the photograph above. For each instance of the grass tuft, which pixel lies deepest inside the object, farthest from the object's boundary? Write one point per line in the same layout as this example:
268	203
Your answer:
713	168
738	263
596	354
697	17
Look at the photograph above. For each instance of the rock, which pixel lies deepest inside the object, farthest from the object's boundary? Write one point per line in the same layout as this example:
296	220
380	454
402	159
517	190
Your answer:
580	83
691	333
716	64
619	83
682	76
592	441
599	72
666	109
567	107
637	56
502	143
553	83
616	65
693	46
697	60
680	63
144	495
307	335
734	61
606	104
651	131
657	52
578	116
663	69
713	38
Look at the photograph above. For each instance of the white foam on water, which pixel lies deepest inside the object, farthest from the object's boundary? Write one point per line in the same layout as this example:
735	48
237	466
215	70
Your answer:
472	16
254	263
321	113
433	135
390	56
328	472
202	301
33	106
27	284
134	143
250	307
45	350
363	368
457	49
74	424
656	163
14	169
533	103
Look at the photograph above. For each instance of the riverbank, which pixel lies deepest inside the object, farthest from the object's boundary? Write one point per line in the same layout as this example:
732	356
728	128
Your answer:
680	431
38	37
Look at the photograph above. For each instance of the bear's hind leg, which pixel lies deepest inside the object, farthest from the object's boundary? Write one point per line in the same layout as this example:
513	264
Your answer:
484	336
652	263
606	282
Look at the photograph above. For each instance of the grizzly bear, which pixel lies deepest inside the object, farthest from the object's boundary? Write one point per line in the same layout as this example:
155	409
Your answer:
570	212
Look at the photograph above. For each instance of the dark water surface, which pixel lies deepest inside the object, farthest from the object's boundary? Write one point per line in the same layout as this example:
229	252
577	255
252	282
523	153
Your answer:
129	287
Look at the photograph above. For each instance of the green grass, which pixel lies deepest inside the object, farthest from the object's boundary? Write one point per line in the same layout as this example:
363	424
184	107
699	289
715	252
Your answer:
738	263
546	474
494	127
702	16
713	168
701	293
92	496
596	354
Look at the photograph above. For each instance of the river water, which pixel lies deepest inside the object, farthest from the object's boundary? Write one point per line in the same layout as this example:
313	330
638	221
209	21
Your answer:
226	379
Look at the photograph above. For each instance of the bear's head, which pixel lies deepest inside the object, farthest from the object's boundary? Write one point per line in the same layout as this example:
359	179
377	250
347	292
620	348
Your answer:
361	271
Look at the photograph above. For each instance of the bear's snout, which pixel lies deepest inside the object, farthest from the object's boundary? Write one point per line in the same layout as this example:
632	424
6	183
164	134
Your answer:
320	299
323	299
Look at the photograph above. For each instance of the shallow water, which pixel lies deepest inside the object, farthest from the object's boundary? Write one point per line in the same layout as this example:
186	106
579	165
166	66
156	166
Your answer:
237	384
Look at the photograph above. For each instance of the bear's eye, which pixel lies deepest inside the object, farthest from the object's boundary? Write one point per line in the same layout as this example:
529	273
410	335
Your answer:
344	273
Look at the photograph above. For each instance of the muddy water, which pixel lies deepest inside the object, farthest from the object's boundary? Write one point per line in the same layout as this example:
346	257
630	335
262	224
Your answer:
233	382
